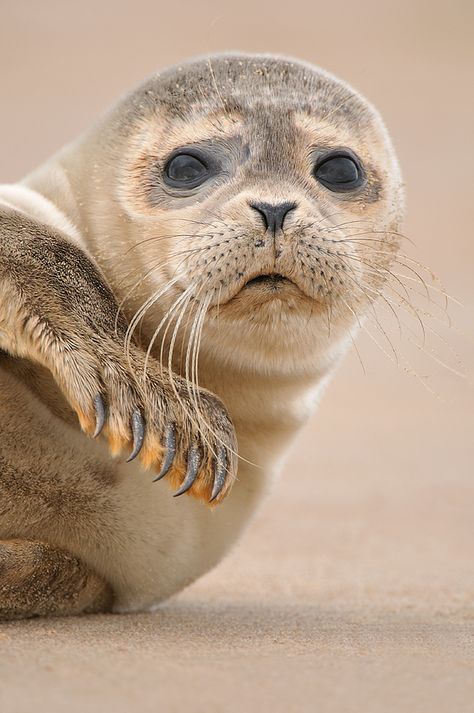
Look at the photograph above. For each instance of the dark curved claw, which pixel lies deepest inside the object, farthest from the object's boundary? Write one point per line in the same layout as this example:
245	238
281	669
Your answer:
138	430
170	445
194	461
99	407
221	472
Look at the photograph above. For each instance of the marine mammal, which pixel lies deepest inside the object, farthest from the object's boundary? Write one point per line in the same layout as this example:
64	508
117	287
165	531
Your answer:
201	232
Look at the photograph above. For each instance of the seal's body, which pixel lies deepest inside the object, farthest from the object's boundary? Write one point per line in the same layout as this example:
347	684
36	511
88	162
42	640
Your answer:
225	210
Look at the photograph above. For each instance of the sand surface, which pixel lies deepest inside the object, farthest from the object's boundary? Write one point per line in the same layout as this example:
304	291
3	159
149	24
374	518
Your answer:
353	590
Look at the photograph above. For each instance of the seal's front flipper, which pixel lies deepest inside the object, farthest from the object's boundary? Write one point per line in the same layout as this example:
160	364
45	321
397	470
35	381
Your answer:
37	579
57	309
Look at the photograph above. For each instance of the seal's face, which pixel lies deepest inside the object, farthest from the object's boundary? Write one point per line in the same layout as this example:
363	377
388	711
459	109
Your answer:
273	188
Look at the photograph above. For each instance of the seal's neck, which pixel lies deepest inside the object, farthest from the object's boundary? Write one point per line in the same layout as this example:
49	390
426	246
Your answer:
267	410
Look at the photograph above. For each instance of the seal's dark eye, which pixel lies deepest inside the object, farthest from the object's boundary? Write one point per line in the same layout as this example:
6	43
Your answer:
185	171
339	172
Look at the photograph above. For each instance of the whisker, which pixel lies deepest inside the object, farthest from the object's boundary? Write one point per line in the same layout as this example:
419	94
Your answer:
183	297
155	266
397	234
370	301
139	314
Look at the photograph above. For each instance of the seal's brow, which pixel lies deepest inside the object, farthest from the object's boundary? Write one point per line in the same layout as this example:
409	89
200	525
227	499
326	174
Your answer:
195	130
327	132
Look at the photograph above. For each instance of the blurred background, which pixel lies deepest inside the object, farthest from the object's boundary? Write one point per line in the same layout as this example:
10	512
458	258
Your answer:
357	577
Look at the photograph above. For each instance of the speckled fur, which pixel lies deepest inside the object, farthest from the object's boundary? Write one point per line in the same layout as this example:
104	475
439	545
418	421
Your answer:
96	227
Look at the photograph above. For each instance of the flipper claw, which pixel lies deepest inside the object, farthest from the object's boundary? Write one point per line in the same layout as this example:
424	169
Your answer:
194	461
99	407
170	445
220	473
138	430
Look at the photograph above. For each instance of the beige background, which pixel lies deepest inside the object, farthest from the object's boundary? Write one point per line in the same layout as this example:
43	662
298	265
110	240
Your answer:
354	588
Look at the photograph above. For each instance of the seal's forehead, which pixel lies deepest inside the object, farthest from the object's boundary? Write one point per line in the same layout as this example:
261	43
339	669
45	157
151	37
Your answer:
240	83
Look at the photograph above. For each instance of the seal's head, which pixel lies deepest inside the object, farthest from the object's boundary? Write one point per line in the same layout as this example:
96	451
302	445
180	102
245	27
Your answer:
265	193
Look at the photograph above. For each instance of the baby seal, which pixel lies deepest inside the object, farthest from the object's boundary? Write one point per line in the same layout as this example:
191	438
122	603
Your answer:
181	279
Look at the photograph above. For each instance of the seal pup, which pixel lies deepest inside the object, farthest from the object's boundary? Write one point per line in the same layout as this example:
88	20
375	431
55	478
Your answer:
181	279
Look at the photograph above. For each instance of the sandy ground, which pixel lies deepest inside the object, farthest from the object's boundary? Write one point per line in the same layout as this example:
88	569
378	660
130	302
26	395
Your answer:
353	590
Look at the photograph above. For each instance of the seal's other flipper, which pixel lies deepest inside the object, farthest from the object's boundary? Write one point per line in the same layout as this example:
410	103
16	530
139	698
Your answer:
37	579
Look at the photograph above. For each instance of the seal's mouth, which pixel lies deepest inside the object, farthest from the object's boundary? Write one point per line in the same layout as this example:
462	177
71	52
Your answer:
266	288
270	280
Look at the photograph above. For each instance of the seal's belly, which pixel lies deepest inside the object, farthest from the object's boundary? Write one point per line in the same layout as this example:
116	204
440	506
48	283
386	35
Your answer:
157	544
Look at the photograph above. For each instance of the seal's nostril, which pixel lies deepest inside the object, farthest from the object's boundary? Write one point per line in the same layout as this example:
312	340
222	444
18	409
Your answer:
273	214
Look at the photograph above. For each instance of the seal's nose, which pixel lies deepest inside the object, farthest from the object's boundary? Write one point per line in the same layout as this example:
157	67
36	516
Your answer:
273	215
